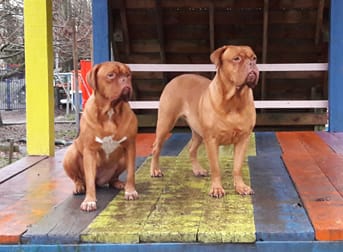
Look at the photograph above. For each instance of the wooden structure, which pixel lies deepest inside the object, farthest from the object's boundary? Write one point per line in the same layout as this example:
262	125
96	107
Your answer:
296	175
297	203
186	32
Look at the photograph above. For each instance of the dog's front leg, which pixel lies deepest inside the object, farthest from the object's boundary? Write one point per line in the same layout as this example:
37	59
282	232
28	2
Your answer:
130	191
217	190
239	155
89	165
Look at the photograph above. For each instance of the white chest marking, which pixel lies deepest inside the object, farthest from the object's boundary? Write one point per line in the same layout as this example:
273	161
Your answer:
110	113
108	144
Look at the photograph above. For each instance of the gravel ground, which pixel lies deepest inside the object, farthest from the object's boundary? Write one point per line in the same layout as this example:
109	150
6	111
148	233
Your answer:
15	129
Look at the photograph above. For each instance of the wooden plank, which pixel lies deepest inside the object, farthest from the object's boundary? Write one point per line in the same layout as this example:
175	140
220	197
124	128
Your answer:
303	142
64	223
332	166
334	140
279	214
19	166
211	67
57	227
267	144
321	199
144	143
176	208
122	220
270	119
262	246
26	198
175	144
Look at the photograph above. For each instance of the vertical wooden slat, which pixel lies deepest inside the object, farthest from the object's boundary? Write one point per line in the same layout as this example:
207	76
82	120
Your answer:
264	46
211	26
319	25
125	27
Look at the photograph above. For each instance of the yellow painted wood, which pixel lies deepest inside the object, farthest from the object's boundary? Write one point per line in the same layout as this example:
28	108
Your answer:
177	208
122	221
39	77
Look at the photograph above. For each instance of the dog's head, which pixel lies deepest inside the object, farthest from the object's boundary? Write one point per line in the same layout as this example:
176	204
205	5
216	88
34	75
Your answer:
111	80
238	63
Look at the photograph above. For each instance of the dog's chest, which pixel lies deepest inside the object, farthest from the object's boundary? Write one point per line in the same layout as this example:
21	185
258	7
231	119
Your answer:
109	145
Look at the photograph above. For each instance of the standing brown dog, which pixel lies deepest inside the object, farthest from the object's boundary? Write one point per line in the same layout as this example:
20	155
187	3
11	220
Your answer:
106	144
219	112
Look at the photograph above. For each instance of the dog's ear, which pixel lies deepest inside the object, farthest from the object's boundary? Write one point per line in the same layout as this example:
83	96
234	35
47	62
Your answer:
92	77
216	56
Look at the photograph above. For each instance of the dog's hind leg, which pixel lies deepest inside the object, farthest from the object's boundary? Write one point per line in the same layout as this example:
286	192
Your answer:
165	124
72	165
193	154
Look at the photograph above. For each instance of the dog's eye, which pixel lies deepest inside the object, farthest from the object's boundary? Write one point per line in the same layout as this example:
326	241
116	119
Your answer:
237	59
254	58
111	75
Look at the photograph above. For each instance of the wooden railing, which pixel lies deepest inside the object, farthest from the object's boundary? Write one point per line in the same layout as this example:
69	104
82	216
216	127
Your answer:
262	104
290	119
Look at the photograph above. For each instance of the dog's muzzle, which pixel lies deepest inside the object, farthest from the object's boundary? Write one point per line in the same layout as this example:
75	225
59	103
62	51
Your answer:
252	79
126	94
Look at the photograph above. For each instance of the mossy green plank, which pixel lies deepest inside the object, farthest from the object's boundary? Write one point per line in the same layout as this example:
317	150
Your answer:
122	221
177	208
231	218
177	215
224	150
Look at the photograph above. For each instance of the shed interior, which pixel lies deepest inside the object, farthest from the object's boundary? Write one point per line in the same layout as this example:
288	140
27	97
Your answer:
186	32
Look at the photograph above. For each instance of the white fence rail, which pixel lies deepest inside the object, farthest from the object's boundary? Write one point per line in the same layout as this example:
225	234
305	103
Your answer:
265	104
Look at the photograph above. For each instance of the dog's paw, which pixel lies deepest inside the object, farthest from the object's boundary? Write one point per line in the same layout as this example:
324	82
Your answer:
243	189
120	185
156	173
217	192
200	172
88	206
132	195
79	188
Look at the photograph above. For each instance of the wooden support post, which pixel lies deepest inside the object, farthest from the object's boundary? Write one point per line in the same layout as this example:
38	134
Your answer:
264	46
101	36
335	67
38	76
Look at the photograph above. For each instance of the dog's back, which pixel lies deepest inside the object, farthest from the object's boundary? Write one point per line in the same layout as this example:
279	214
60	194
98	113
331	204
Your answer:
180	98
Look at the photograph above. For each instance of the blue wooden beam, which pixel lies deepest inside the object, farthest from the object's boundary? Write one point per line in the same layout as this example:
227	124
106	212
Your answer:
101	41
336	67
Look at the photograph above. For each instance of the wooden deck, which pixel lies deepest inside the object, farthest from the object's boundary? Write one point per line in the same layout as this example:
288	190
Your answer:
298	204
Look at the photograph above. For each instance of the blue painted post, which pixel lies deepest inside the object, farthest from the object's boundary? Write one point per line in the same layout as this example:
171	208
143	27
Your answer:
336	67
101	37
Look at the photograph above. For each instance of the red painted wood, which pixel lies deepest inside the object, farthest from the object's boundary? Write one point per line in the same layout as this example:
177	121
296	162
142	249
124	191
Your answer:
316	173
323	202
144	142
27	197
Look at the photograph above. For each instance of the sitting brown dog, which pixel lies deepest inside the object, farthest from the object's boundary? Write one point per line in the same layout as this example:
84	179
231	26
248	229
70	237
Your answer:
219	112
106	143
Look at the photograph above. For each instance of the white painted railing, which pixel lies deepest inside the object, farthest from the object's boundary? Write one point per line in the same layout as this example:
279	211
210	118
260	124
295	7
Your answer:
265	104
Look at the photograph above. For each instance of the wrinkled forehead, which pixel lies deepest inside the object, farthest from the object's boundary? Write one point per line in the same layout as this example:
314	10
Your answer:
243	51
113	67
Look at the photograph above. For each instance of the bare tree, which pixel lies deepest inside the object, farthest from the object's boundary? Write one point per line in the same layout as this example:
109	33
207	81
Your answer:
12	33
12	59
64	15
11	37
